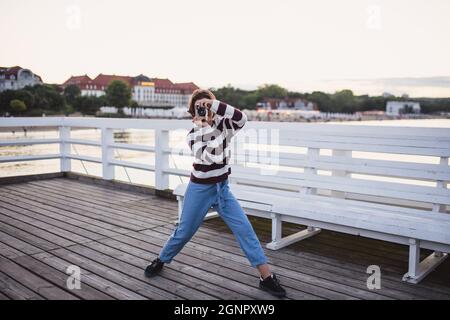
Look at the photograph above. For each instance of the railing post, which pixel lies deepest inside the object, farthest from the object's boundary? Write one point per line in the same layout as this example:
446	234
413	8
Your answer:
64	149
161	159
443	161
107	154
312	154
340	173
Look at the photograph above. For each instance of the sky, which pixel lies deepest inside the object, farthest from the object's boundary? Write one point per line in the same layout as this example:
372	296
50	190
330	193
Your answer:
369	46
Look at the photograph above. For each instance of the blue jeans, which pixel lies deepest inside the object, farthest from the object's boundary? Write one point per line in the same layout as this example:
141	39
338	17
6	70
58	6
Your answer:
198	199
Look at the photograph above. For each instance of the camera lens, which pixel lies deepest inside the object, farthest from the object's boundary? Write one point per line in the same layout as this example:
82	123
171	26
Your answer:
201	111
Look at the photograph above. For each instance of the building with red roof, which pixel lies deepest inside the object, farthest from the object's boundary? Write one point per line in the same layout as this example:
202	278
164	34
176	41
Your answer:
83	82
147	92
103	80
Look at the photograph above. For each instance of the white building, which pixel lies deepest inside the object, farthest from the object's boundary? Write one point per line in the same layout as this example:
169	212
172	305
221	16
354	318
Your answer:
147	92
396	108
286	104
15	78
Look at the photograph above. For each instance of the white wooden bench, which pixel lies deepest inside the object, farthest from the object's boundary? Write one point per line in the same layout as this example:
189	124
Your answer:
379	182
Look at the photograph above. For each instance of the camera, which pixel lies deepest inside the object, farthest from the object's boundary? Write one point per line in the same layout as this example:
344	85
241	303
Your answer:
200	111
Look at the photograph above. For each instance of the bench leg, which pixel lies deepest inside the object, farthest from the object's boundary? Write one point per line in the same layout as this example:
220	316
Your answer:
279	242
211	215
418	270
180	199
180	209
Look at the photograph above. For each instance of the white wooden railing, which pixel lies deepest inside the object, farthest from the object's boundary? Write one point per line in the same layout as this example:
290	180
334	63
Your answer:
107	144
345	139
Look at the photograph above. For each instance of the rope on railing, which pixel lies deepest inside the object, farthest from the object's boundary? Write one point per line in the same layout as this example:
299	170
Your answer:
126	171
175	165
82	162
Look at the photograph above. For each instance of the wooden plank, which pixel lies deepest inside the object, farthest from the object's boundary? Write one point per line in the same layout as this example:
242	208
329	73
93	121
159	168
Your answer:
59	279
49	234
359	165
46	202
28	177
380	139
236	189
435	135
96	281
17	244
104	192
86	188
358	186
27	237
114	194
15	218
126	275
76	202
24	215
15	290
8	251
88	191
116	207
147	211
97	226
129	221
430	150
34	282
372	222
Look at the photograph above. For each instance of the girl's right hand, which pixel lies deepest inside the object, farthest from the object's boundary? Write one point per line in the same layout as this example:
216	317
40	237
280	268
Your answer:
199	121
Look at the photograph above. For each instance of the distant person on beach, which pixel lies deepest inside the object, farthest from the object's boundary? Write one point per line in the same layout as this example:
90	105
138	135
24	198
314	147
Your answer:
215	122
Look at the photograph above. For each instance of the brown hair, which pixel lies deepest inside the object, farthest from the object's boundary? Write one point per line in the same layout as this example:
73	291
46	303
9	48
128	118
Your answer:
197	95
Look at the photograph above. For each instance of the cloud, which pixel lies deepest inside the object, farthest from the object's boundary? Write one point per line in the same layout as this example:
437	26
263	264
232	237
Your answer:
414	86
438	82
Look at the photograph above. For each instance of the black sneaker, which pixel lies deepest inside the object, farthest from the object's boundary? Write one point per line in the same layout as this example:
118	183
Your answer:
272	285
154	268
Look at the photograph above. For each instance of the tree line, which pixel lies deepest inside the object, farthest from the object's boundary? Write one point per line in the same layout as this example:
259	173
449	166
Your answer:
341	101
52	99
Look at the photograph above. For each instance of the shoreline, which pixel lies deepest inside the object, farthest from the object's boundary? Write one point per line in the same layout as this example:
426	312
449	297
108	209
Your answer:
339	121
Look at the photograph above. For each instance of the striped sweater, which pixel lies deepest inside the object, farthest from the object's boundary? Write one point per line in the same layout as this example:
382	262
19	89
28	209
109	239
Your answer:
211	144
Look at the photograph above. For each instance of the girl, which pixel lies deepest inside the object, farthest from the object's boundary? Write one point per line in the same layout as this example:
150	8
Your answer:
215	122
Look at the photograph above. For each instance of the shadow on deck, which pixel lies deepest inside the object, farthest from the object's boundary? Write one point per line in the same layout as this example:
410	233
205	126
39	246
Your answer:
111	234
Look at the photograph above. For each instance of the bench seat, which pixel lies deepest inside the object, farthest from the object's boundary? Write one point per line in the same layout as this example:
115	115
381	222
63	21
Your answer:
386	183
413	227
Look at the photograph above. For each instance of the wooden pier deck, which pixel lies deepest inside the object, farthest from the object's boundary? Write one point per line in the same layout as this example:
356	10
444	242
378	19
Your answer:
111	234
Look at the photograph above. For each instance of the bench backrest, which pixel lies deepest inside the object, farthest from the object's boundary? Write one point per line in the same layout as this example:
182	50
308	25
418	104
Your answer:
396	165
